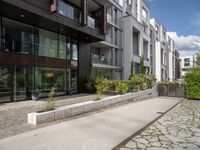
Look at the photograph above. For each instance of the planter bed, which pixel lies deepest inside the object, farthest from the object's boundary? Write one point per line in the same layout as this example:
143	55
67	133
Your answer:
84	107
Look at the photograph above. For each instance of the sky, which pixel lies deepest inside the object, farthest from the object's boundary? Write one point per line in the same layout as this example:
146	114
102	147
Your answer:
181	18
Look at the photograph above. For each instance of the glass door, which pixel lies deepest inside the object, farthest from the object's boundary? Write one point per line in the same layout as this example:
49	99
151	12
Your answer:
5	84
20	83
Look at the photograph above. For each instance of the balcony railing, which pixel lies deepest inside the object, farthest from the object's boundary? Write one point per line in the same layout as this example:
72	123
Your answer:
129	9
109	18
91	22
108	38
69	11
100	59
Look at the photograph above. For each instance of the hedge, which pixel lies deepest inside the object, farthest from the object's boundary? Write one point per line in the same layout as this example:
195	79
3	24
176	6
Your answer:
192	86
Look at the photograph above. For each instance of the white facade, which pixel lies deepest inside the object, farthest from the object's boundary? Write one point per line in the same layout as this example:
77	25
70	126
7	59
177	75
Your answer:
164	53
136	36
172	59
186	63
131	35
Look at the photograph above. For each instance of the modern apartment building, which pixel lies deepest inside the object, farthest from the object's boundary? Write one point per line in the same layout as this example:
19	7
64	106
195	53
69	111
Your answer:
162	48
136	36
171	59
187	62
47	43
177	65
61	43
106	56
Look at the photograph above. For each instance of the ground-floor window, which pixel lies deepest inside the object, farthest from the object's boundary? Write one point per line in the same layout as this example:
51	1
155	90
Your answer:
41	59
18	83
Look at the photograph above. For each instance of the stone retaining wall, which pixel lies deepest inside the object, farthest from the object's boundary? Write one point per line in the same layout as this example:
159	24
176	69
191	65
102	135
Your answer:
80	108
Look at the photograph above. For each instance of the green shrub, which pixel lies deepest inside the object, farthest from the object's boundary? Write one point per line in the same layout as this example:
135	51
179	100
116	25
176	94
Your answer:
91	84
192	85
113	85
101	85
122	86
137	80
168	82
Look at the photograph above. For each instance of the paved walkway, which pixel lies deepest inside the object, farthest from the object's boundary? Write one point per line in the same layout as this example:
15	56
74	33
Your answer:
179	129
13	116
100	131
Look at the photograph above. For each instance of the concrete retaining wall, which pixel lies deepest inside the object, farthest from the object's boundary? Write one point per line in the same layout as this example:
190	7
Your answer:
80	108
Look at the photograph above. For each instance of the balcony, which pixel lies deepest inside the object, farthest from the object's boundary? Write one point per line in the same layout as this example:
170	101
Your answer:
108	38
100	59
129	9
69	11
109	18
91	22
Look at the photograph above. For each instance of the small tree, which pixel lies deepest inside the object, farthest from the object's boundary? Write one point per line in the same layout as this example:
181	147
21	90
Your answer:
50	105
132	67
142	69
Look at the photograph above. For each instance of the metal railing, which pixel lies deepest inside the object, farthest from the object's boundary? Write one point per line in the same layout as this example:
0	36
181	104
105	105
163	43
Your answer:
100	59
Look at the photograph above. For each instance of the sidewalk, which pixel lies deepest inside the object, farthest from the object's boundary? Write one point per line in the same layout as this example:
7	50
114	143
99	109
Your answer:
100	131
13	116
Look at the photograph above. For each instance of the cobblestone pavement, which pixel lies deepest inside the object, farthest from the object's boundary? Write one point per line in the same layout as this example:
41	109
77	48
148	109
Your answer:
179	129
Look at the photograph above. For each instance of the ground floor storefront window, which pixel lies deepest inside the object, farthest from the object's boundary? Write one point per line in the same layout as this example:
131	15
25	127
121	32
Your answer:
18	83
36	60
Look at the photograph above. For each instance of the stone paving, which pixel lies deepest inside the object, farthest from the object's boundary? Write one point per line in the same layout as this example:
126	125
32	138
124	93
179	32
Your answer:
179	129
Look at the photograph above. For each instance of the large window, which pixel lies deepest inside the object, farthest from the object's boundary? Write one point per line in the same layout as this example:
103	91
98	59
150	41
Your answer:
5	84
63	47
16	83
46	78
17	36
74	49
46	43
69	11
187	62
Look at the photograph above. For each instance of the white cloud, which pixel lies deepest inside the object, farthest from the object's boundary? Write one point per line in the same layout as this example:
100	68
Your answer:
186	45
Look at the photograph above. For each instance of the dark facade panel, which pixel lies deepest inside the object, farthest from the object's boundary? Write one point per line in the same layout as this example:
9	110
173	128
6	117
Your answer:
84	65
39	13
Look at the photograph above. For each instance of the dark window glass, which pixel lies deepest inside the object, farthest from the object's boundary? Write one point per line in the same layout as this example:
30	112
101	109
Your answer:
46	43
74	80
74	49
46	78
5	84
17	37
69	11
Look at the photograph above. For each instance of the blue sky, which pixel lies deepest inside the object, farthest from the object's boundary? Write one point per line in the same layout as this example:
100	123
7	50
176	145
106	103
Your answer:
181	18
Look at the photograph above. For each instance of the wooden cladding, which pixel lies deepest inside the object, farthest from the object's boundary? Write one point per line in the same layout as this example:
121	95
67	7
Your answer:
54	5
31	60
84	12
104	19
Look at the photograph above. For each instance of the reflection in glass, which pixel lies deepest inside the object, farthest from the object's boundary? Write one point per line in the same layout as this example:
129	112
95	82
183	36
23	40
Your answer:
62	46
69	11
17	36
46	43
46	78
5	84
74	49
74	79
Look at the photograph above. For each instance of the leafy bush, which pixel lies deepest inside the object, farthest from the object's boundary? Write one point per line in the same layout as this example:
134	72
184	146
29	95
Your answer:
192	85
136	83
168	82
122	86
113	85
101	85
91	84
